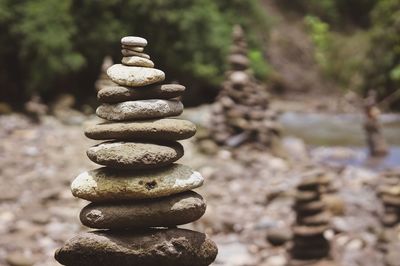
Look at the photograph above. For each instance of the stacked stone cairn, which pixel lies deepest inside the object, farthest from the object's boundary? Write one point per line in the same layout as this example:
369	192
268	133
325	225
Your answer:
389	193
375	140
140	196
104	81
241	113
312	220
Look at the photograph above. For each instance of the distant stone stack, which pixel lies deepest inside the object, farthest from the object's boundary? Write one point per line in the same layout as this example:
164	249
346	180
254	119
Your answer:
389	193
140	196
312	221
104	81
375	140
241	114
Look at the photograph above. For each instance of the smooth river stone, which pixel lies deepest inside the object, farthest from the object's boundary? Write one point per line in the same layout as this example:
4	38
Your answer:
161	129
137	61
134	155
168	211
116	94
134	41
126	52
106	185
157	247
134	76
140	109
133	48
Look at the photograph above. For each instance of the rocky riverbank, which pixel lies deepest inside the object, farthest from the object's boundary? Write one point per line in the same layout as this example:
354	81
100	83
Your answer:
248	195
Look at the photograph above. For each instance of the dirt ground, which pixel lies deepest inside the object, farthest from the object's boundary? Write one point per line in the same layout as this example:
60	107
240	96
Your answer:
248	193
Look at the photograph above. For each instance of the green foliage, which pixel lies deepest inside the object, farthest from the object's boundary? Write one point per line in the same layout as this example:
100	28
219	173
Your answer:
59	45
321	39
383	69
45	30
337	12
262	70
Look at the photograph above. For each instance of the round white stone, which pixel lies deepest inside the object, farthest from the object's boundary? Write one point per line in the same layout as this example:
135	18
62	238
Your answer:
132	76
134	41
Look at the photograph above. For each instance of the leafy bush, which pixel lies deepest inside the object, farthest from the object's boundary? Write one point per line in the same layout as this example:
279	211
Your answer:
383	68
52	46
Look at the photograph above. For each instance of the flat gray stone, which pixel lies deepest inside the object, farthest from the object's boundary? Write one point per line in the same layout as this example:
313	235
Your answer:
133	48
170	247
115	94
137	61
140	109
132	155
106	185
134	76
126	52
168	211
161	129
134	41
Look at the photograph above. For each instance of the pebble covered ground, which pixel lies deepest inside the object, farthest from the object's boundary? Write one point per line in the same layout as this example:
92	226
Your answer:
248	194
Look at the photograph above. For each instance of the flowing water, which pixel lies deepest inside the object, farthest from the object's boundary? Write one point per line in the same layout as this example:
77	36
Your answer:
329	130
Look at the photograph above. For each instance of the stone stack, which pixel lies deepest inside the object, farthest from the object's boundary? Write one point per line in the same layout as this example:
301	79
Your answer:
141	195
389	193
375	139
241	113
312	221
104	81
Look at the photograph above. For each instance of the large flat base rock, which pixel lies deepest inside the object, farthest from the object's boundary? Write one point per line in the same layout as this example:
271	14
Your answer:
172	247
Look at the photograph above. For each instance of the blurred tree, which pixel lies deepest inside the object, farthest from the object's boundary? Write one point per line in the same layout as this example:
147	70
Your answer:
383	68
58	45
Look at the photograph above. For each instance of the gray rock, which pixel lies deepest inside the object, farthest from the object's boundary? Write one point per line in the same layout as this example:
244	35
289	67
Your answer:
126	52
278	236
168	211
133	48
134	41
115	94
132	155
161	129
137	61
172	247
105	184
140	109
134	76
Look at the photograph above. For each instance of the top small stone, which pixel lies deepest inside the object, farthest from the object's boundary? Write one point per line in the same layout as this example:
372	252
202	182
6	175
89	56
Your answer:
134	41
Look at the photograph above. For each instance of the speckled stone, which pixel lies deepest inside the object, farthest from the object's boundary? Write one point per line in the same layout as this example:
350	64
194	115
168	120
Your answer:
161	129
134	76
168	211
140	109
105	184
135	155
115	94
171	247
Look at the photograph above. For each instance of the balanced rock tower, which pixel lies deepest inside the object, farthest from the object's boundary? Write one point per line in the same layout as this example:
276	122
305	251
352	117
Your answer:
312	220
141	195
241	114
389	193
